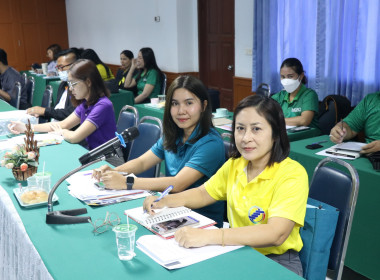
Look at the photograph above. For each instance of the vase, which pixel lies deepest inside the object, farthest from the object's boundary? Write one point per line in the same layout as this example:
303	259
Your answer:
23	175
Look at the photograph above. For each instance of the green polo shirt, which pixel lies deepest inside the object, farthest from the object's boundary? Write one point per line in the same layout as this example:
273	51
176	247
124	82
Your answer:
366	117
150	77
305	100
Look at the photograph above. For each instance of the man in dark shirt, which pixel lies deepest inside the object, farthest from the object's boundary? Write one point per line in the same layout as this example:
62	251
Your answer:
63	106
9	76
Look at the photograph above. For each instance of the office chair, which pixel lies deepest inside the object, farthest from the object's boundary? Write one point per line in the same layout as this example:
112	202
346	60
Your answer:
128	117
149	134
340	190
263	89
47	99
227	144
16	95
164	80
30	85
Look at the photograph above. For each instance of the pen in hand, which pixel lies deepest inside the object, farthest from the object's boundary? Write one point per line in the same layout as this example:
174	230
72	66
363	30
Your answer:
164	193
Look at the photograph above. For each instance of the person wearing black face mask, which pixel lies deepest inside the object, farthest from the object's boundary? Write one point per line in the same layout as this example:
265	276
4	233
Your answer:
299	103
63	106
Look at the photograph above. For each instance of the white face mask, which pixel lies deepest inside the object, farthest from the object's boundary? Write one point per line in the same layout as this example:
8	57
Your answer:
290	85
63	75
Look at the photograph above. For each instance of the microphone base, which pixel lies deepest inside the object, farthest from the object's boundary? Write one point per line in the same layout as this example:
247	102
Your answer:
67	217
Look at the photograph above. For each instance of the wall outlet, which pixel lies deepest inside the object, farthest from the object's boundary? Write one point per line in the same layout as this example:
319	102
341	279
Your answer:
157	19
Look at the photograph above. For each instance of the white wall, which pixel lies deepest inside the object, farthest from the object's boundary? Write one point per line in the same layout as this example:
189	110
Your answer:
114	25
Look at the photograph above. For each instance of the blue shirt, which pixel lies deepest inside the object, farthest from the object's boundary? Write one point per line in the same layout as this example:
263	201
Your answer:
206	155
101	115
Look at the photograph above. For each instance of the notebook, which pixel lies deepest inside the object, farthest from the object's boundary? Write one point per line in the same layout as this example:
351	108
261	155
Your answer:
166	214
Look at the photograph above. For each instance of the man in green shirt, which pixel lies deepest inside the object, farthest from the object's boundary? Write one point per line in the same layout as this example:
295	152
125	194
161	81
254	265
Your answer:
365	117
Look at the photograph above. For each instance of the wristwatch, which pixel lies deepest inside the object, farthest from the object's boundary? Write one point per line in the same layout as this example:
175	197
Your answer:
130	180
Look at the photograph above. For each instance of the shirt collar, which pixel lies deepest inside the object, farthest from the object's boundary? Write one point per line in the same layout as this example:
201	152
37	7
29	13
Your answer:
266	174
192	136
299	93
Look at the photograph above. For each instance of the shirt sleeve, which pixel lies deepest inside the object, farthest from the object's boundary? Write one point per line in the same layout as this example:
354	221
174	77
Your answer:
158	149
310	101
151	78
99	114
290	197
356	119
216	186
207	157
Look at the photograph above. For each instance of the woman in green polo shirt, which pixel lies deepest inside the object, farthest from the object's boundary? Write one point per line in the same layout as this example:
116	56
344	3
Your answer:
148	79
299	103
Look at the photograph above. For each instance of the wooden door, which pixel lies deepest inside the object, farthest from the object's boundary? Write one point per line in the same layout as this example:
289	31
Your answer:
216	30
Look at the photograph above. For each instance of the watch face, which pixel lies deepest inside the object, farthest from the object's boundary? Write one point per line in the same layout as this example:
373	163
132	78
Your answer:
130	180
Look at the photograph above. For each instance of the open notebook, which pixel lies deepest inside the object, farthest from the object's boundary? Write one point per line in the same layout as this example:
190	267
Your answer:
166	214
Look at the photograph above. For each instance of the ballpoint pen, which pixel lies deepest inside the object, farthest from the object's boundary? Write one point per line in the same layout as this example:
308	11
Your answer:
319	142
164	193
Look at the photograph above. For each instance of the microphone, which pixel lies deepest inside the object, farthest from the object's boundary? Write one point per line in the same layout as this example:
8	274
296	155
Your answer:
110	147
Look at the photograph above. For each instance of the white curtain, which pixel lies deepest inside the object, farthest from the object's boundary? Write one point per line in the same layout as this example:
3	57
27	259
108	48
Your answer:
337	41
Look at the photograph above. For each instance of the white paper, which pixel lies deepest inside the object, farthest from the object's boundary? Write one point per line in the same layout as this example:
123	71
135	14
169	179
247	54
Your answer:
43	139
336	153
171	256
350	146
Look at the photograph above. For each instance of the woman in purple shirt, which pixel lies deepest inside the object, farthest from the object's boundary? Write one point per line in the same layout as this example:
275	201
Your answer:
94	111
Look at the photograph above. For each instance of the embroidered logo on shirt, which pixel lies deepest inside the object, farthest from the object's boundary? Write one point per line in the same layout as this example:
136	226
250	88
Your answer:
256	214
296	110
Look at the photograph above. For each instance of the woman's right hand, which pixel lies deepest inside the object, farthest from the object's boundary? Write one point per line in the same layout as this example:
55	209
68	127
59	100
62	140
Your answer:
149	205
17	127
97	173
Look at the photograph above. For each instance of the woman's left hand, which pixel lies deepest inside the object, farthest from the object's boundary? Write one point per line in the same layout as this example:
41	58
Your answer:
189	237
114	180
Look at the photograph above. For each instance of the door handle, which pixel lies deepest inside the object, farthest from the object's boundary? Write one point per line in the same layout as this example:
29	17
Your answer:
230	67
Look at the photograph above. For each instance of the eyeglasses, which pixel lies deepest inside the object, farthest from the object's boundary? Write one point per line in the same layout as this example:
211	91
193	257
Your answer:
101	226
72	84
60	67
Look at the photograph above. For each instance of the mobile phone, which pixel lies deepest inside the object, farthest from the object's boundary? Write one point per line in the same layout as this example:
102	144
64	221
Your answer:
173	225
314	146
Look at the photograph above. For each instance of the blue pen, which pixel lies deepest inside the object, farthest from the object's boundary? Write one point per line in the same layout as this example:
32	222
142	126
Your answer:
320	142
165	192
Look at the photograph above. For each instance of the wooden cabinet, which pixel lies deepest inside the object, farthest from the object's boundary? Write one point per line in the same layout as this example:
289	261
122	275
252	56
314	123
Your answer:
28	27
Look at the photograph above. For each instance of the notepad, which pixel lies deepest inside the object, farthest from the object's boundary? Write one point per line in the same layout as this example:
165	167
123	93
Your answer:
166	214
171	256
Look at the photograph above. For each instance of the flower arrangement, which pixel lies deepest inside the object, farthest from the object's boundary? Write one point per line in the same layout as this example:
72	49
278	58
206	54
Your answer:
23	160
19	157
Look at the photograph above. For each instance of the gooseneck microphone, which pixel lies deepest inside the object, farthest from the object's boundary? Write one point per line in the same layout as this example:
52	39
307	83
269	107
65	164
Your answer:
110	147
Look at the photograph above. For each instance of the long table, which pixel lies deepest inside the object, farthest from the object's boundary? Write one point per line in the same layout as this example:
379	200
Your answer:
364	245
73	252
5	106
148	110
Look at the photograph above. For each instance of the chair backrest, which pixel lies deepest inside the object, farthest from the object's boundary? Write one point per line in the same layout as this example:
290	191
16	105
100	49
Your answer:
47	99
30	85
164	80
332	109
128	117
263	89
25	77
227	144
149	135
340	190
16	95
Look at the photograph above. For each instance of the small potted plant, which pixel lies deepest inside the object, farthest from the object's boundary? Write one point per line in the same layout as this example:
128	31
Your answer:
23	160
23	164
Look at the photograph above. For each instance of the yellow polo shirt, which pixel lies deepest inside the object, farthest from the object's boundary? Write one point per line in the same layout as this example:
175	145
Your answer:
279	191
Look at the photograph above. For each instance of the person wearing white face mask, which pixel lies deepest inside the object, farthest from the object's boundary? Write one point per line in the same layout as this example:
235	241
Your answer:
299	103
63	106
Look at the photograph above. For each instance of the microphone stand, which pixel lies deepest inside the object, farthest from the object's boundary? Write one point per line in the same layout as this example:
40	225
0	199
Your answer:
67	216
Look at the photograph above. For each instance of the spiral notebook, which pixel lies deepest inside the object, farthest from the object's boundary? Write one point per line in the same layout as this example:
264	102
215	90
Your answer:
166	214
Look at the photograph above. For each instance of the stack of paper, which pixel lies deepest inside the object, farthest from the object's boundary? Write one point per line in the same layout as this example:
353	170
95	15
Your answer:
171	256
348	150
44	139
82	186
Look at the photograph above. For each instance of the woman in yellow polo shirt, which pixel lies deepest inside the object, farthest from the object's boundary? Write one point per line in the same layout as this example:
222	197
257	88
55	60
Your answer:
265	190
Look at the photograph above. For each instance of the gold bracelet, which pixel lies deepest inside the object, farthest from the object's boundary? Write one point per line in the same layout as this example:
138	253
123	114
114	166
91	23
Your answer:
222	237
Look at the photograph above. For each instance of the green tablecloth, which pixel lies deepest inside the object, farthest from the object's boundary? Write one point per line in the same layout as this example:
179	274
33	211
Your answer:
5	106
147	110
119	100
73	252
364	245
